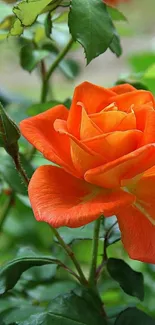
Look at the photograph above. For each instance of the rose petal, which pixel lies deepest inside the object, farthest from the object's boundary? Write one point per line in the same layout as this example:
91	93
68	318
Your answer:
123	88
141	115
39	131
93	98
116	144
82	157
88	128
132	99
62	200
112	174
144	190
149	130
138	234
114	121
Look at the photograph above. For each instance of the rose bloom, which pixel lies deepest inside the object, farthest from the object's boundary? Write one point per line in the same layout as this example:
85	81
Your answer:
105	145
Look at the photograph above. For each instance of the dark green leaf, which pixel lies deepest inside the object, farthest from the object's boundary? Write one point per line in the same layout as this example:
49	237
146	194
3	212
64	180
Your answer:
19	314
70	68
85	232
11	176
29	57
70	309
91	25
48	25
27	11
9	132
11	272
116	14
134	316
47	292
115	45
129	280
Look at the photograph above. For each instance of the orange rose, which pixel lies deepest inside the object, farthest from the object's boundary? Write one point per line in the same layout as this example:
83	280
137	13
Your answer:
106	146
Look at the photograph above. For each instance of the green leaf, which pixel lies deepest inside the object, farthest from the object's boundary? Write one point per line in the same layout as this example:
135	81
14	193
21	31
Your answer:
86	232
19	314
17	28
70	309
91	26
48	25
9	132
28	11
11	176
11	272
150	72
39	108
142	61
29	57
70	68
134	316
129	280
116	14
115	45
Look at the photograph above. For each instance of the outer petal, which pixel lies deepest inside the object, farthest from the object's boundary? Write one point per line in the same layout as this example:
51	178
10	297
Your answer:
149	130
122	89
144	190
138	234
39	131
63	200
112	174
132	99
93	98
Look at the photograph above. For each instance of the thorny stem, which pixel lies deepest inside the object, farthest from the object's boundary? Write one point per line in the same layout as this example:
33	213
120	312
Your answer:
92	279
71	255
105	257
20	169
5	209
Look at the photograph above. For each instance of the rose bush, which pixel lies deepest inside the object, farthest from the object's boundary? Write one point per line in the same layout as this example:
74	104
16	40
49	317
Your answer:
105	145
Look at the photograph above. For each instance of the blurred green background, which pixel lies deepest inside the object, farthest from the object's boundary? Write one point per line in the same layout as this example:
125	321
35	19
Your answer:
20	233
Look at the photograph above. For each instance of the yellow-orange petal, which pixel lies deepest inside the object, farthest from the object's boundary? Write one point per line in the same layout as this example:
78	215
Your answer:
93	98
63	200
133	99
82	157
39	131
138	234
116	144
114	120
88	128
113	173
123	88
